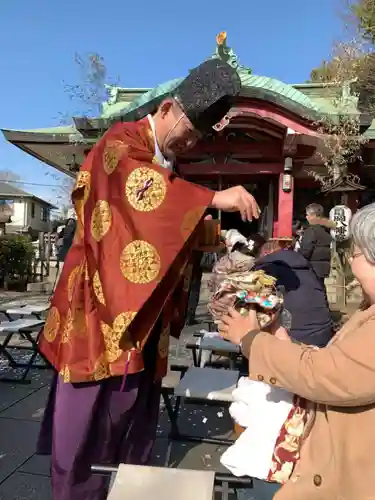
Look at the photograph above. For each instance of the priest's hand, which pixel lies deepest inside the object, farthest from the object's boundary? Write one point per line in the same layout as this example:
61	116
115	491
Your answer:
237	199
234	327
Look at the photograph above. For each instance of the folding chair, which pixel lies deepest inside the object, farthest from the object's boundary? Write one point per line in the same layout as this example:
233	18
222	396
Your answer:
211	345
25	328
206	385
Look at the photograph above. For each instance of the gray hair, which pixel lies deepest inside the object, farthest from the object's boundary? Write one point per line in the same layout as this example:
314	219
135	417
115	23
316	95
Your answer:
362	228
315	209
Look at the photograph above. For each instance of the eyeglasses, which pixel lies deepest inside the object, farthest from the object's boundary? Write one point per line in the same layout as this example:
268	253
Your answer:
355	255
192	132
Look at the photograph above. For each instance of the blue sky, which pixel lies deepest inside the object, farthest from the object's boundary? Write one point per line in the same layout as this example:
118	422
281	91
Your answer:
144	43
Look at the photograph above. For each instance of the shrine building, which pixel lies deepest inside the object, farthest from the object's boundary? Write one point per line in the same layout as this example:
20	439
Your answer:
271	145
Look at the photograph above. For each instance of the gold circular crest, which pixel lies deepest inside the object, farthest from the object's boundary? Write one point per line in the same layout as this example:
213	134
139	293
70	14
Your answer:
72	281
52	324
163	345
112	154
101	220
190	221
98	289
140	262
145	189
112	336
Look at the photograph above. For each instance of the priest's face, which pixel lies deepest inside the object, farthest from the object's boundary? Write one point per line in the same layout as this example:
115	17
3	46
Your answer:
174	131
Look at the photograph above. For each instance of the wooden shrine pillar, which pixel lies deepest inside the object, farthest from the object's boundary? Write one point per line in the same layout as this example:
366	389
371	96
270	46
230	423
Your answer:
284	216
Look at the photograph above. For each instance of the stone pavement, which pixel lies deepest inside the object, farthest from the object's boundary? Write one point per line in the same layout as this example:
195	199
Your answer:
26	476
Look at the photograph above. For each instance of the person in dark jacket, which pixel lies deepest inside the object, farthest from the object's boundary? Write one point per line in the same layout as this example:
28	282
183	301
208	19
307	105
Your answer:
304	293
195	289
315	245
67	239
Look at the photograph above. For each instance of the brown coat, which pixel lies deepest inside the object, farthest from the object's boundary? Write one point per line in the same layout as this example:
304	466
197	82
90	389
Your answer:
338	456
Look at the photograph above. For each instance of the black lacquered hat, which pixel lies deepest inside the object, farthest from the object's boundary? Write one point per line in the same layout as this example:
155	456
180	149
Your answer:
207	93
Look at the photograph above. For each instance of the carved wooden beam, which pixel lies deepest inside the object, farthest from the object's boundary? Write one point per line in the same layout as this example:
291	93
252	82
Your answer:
198	169
267	149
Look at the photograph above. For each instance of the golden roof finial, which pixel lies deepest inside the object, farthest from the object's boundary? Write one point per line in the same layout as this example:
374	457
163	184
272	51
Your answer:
221	38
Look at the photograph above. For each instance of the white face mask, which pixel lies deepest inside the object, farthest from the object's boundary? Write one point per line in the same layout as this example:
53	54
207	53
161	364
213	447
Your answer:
163	162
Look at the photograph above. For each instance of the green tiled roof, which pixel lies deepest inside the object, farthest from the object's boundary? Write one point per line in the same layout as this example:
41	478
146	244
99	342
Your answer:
278	87
249	82
153	95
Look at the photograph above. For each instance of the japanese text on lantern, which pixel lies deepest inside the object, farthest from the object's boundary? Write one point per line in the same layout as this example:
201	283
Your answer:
340	215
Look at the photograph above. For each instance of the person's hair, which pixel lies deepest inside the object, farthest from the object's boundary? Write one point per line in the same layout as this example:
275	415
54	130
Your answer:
315	209
258	242
274	245
362	228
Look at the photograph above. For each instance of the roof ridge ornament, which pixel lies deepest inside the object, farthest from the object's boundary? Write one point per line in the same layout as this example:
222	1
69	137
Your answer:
226	54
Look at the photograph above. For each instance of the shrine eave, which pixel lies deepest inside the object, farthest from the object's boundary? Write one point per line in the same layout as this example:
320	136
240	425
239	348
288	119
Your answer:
59	147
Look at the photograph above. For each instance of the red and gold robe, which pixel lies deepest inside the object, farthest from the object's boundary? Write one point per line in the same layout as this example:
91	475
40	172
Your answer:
129	264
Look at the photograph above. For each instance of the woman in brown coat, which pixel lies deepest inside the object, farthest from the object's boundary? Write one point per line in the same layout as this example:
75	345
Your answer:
337	460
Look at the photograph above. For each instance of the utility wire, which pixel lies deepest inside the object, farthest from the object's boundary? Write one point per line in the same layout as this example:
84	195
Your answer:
29	183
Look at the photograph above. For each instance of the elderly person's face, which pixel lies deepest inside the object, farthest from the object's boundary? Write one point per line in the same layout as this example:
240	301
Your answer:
175	132
364	271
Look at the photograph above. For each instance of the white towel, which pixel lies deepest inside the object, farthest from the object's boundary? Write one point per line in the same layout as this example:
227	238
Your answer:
263	410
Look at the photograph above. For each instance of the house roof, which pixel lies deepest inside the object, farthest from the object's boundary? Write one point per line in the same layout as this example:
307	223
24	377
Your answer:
10	192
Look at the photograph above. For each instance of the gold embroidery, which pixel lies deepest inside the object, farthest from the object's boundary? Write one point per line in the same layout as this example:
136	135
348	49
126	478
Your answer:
145	189
190	221
74	323
112	336
101	220
163	345
101	368
140	262
151	138
72	281
83	181
112	154
79	321
65	374
86	271
68	326
52	324
98	289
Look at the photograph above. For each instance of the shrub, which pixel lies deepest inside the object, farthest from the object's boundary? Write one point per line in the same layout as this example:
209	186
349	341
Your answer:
16	258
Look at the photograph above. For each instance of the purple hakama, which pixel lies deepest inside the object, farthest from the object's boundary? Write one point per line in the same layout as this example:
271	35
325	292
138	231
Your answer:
97	423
